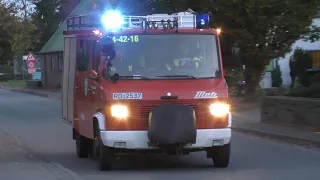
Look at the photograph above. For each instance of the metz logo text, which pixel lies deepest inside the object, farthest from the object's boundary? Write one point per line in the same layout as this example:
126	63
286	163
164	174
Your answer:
204	95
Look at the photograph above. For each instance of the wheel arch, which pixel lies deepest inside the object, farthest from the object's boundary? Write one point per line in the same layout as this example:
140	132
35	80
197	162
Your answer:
99	120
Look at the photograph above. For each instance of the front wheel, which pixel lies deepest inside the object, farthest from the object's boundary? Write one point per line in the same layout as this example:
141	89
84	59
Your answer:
221	155
104	155
105	158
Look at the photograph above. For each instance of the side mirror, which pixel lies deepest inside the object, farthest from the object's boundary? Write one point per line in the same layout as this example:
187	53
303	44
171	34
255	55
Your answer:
114	78
108	52
94	76
107	48
110	55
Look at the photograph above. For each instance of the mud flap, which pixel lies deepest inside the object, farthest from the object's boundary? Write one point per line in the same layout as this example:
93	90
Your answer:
172	124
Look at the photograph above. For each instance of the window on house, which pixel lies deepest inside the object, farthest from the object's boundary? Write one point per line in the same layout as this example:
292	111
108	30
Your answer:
60	59
52	63
315	59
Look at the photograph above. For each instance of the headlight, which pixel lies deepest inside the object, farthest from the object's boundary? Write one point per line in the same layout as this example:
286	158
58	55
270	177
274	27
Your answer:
119	111
219	109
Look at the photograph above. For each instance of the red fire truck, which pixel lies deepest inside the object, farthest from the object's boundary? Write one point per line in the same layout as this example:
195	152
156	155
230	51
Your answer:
145	84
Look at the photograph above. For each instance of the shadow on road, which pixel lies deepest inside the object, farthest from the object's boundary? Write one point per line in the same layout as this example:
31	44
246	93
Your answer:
151	162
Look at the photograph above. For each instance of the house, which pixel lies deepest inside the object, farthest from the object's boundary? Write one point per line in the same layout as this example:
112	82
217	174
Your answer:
313	48
51	54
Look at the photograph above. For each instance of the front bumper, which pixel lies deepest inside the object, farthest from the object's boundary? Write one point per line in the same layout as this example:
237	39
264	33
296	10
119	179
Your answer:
139	139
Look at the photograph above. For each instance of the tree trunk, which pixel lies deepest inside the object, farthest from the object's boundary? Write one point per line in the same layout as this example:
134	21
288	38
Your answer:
252	77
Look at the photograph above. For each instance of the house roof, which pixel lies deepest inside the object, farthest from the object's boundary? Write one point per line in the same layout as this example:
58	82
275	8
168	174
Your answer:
56	42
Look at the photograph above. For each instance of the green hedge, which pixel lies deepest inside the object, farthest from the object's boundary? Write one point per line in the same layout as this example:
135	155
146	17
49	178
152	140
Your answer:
312	91
8	77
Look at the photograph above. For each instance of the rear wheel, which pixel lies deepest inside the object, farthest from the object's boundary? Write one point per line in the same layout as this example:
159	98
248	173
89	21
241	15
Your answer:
82	146
220	155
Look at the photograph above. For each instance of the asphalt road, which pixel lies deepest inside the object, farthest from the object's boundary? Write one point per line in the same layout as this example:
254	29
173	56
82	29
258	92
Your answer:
36	123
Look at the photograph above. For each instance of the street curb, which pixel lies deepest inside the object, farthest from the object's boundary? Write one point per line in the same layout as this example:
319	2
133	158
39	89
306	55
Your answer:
68	171
280	137
29	92
74	175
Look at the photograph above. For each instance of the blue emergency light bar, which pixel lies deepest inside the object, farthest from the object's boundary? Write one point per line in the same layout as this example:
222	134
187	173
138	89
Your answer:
202	21
113	20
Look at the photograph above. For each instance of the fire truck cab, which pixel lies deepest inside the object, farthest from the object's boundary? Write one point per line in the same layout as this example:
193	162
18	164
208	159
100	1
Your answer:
145	84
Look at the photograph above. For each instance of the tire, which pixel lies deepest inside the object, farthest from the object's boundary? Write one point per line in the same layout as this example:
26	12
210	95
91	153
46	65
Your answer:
105	157
95	143
82	146
221	156
101	153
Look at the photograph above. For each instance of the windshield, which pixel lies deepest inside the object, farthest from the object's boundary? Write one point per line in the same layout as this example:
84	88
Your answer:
165	56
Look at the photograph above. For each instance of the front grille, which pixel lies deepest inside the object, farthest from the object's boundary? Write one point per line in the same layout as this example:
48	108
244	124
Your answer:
140	110
139	113
200	107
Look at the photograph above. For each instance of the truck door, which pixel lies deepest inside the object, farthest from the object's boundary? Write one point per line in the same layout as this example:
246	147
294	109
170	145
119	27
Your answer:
92	85
95	84
82	114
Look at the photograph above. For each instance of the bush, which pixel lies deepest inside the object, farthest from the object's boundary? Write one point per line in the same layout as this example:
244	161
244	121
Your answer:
303	61
234	75
312	91
276	76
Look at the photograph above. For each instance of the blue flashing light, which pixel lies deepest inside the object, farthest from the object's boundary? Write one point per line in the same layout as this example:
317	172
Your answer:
112	20
202	20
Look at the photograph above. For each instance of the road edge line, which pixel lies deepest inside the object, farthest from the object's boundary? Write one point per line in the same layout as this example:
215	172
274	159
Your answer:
281	137
68	171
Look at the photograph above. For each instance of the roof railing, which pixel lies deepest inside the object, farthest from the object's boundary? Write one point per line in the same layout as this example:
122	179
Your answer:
92	21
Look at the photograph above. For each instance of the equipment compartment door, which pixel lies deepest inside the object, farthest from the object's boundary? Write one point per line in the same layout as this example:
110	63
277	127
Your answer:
68	79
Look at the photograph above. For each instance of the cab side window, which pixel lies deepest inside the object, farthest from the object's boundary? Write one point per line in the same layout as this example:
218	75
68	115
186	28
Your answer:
96	56
83	55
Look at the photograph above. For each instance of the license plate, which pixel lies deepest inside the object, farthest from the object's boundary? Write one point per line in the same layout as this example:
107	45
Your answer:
127	95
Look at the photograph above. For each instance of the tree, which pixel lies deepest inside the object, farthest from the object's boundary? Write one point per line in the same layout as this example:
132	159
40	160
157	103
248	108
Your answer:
8	24
47	19
313	34
303	61
24	39
276	76
263	30
128	7
66	7
16	36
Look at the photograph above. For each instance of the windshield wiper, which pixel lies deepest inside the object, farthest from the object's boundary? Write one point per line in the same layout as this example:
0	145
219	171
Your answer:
134	77
179	76
114	78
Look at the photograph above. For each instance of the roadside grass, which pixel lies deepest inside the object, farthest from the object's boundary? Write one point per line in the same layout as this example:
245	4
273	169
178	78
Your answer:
13	83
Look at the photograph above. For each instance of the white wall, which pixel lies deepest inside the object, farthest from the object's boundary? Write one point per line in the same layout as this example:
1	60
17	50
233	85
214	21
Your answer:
284	62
